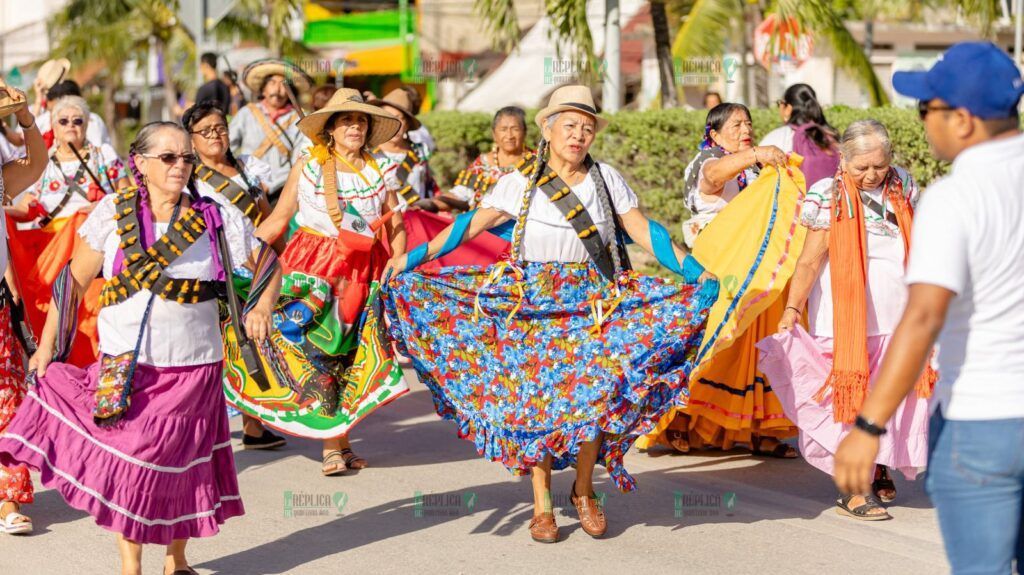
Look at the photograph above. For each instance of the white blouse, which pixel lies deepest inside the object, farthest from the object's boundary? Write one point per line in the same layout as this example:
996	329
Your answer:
368	199
177	334
548	236
730	190
50	188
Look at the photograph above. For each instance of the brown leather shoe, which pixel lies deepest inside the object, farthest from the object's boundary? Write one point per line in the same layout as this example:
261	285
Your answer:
591	516
543	528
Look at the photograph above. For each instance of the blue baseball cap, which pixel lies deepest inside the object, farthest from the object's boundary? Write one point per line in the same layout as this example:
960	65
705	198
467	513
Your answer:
977	76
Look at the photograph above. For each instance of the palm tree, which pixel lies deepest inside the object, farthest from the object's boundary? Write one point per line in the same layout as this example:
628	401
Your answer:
266	21
663	49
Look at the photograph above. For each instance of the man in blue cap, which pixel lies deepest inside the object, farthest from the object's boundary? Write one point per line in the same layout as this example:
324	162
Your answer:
966	280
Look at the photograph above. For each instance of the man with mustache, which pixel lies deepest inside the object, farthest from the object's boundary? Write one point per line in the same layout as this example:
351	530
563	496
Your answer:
268	128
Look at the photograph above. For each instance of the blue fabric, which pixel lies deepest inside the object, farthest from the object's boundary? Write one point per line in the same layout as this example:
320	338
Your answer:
976	481
661	242
504	231
416	257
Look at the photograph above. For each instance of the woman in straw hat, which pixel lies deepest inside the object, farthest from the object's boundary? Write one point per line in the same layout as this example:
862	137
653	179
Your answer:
343	198
560	355
15	176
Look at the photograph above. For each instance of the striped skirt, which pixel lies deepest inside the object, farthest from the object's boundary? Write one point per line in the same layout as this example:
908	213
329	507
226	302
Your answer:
164	472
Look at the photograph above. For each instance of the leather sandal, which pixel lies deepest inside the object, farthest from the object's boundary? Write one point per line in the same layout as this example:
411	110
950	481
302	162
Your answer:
353	461
678	440
543	528
862	512
883	483
334	464
591	516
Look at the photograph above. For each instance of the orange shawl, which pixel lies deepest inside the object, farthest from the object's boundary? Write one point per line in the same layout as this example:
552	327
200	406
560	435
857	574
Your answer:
847	254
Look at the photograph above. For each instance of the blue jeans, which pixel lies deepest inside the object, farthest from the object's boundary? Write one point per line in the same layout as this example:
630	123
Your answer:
976	481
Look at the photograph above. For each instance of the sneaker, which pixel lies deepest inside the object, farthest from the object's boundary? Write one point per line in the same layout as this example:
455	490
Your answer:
266	441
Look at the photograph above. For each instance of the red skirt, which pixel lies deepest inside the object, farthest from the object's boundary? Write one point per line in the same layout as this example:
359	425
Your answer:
349	269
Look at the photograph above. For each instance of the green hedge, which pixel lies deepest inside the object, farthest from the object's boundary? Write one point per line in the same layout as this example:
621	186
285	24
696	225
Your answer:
652	148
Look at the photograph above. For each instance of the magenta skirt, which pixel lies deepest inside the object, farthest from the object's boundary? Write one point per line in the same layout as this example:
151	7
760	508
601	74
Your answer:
164	472
797	364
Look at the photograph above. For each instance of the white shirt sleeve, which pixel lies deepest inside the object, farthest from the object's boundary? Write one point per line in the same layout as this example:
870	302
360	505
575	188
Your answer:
258	169
623	197
781	137
507	195
100	224
939	246
240	234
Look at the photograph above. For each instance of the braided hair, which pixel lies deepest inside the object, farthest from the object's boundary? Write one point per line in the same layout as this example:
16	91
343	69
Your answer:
606	208
520	228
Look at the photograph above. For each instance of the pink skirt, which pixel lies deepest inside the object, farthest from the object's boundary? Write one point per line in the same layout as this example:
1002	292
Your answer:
797	364
164	472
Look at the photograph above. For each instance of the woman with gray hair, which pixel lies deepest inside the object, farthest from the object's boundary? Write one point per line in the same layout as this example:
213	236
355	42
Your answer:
78	175
849	278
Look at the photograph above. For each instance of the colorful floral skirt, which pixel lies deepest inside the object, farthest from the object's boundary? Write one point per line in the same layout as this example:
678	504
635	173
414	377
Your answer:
164	472
15	483
328	362
534	361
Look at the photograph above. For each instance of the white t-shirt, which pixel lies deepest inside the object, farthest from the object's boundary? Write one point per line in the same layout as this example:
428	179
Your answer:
781	137
256	169
177	334
368	199
548	236
968	238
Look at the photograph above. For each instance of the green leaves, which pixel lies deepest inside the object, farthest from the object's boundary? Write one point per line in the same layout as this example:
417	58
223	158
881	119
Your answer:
653	148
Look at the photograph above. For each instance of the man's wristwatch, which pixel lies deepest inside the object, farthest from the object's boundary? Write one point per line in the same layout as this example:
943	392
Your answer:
869	427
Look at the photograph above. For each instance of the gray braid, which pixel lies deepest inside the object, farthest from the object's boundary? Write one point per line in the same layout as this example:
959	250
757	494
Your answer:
520	229
606	209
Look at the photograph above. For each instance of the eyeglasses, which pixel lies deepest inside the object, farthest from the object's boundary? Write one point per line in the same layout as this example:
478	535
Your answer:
73	121
923	109
212	132
170	159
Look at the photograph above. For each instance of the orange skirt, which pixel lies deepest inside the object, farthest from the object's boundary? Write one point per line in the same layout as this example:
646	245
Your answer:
37	256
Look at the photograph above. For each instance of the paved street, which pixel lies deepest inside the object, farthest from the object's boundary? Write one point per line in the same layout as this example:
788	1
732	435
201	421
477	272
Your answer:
429	504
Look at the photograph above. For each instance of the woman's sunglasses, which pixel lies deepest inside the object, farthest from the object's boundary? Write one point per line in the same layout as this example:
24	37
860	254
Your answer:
73	121
170	159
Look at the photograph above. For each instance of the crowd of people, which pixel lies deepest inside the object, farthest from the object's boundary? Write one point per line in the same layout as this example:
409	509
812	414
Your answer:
284	260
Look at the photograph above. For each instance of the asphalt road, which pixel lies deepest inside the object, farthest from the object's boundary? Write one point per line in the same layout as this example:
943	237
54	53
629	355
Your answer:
429	504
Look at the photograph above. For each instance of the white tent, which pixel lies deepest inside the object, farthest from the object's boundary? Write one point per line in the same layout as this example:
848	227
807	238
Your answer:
528	75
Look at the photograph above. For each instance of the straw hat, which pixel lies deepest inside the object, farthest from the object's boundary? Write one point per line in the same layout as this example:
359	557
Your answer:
383	125
53	71
400	100
571	99
11	100
256	72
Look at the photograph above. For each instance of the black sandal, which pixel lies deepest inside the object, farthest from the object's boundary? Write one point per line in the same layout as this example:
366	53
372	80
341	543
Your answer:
782	450
330	465
883	482
352	460
862	512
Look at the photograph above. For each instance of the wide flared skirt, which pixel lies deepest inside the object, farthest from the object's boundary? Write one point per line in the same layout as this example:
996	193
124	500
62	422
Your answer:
164	472
484	250
534	361
798	365
328	363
